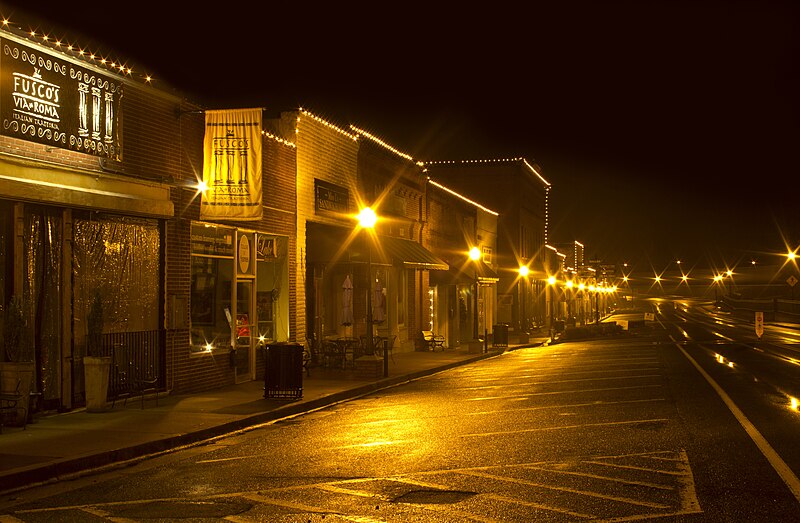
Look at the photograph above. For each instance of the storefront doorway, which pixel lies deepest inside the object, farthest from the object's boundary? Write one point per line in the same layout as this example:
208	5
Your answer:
245	330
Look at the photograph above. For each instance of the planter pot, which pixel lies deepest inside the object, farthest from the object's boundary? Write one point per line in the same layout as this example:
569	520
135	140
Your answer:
96	372
10	372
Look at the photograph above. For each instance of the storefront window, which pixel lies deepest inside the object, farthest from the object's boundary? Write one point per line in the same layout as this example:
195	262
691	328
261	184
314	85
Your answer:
117	257
212	277
6	262
272	287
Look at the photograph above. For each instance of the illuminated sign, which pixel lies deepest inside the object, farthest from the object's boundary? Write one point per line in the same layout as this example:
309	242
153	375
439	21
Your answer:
51	101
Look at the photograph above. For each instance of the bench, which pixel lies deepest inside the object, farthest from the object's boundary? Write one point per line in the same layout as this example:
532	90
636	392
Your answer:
433	341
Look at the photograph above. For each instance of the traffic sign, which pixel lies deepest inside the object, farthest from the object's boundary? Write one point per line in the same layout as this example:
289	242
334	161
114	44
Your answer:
759	324
792	281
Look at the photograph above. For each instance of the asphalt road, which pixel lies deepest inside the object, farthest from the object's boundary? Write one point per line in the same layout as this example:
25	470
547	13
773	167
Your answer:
622	429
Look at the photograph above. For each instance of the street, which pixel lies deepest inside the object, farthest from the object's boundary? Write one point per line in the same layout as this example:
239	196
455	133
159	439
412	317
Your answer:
659	423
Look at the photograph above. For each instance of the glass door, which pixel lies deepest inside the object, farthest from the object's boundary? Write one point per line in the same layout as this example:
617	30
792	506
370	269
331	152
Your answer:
245	331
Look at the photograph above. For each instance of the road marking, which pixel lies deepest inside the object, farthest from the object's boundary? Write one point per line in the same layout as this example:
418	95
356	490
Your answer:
587	493
632	467
763	445
539	506
548	382
582	426
604	478
565	406
533	394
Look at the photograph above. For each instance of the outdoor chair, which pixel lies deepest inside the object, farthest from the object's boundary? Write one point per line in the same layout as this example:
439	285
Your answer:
11	403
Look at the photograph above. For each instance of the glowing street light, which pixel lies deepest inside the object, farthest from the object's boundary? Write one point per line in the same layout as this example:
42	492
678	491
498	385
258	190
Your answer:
475	256
523	274
367	220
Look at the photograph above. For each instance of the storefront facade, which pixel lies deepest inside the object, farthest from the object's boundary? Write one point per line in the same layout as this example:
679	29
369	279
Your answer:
520	197
82	212
352	273
464	298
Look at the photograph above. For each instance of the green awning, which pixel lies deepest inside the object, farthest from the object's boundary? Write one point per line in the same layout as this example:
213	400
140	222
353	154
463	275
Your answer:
331	244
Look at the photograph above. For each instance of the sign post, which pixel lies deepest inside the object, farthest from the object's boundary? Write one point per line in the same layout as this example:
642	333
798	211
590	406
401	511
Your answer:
792	281
759	323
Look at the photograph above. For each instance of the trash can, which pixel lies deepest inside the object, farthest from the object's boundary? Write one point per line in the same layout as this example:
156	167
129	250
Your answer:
500	335
283	371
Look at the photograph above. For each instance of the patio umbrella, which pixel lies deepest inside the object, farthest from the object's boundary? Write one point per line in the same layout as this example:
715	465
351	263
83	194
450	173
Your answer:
378	304
347	301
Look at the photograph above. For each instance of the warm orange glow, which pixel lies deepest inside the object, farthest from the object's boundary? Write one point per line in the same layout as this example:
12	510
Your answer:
474	254
551	280
569	284
367	218
524	271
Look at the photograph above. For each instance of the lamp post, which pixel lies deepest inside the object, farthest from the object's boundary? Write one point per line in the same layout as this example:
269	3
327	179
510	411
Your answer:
475	255
551	282
367	219
523	273
570	284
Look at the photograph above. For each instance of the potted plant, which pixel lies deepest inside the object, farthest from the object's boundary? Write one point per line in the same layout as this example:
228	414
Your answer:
96	366
19	365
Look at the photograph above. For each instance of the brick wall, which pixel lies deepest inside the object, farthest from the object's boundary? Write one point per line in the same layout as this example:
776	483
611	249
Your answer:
194	372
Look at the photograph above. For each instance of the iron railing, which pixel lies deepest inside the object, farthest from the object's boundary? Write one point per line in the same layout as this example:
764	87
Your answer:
135	359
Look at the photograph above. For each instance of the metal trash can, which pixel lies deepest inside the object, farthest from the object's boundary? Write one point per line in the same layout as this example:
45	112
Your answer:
283	371
500	335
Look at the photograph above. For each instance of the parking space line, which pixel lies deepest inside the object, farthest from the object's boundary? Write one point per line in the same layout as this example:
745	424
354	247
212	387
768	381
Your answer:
539	506
605	478
564	406
565	427
527	483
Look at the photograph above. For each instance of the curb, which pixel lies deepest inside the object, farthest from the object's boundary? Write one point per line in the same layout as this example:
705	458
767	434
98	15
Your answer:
72	467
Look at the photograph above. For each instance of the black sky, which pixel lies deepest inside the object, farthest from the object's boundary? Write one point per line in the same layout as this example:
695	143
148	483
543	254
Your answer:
668	129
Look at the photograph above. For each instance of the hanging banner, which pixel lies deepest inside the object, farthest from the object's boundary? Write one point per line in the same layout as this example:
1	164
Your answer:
232	165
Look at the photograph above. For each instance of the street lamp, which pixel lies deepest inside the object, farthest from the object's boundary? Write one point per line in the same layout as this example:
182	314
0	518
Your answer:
475	256
367	219
551	282
523	273
569	284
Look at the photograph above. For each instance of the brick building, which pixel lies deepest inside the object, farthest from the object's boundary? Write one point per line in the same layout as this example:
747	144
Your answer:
519	194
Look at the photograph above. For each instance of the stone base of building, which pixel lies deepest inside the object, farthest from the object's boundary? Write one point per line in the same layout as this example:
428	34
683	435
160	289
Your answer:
369	367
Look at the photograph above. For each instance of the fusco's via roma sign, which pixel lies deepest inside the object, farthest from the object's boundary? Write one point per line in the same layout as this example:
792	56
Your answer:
52	101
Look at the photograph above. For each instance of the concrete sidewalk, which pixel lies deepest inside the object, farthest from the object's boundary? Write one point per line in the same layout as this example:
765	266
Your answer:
60	445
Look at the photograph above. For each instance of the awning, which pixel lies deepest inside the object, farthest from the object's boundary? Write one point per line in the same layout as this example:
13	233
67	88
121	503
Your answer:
410	254
465	276
330	244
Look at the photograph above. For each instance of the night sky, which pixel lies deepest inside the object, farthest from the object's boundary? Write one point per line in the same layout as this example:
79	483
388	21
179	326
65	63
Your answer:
667	129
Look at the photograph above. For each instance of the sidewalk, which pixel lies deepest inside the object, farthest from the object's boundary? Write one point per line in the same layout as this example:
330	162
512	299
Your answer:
60	445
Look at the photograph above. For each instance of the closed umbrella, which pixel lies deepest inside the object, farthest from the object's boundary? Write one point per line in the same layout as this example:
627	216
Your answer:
378	304
347	301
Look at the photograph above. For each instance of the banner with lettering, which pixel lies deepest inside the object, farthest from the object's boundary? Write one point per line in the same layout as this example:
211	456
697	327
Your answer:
52	101
232	165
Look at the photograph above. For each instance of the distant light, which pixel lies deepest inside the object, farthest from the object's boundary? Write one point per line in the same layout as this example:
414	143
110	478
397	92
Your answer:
202	186
658	279
729	272
791	255
793	403
684	277
474	254
523	270
551	280
209	347
569	284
